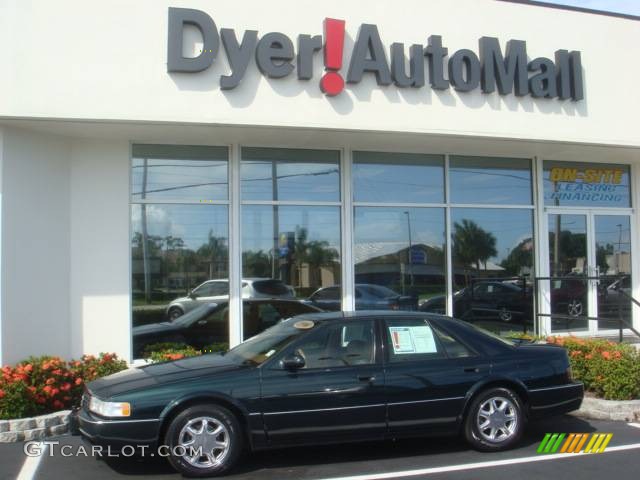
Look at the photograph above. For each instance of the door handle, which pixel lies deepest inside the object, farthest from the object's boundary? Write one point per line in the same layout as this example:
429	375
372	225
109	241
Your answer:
472	370
366	378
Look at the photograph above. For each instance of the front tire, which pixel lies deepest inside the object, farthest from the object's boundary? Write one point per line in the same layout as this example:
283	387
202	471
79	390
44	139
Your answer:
495	420
174	313
204	440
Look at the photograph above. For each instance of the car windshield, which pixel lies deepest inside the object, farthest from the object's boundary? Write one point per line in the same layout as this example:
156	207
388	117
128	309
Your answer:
265	345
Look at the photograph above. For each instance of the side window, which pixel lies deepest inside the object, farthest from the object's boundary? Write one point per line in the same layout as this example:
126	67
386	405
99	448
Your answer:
339	345
411	339
219	288
330	293
204	290
451	345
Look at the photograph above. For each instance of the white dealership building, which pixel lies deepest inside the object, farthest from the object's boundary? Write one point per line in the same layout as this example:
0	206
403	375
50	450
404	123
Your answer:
480	157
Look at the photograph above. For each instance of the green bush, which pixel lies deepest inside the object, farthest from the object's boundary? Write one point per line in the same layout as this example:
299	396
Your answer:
609	370
167	351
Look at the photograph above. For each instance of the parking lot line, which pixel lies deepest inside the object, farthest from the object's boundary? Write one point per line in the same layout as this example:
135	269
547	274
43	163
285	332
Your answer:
31	464
471	466
637	425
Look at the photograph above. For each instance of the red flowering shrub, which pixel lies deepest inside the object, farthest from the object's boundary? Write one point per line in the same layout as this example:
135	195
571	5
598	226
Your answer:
47	384
609	370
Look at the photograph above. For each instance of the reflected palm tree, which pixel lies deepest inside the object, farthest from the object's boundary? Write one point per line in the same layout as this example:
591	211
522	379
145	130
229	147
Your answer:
472	244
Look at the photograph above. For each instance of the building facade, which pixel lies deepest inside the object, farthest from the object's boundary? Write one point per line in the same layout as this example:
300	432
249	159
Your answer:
477	158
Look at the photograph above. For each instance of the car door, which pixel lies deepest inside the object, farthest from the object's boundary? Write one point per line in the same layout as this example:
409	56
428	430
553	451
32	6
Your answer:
337	395
428	374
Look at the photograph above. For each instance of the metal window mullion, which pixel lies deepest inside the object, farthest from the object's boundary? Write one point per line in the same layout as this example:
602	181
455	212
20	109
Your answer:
347	227
542	326
235	249
448	240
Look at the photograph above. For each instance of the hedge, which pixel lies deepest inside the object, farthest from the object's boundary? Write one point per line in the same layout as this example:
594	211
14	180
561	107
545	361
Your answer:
40	385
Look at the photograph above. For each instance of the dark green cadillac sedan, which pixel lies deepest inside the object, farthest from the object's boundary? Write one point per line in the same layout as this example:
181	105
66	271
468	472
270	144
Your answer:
335	377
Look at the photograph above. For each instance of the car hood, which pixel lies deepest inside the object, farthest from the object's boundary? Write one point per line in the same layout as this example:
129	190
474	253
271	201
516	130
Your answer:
154	328
161	373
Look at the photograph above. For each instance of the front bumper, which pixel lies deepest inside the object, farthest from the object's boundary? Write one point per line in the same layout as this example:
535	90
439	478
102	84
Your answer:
114	432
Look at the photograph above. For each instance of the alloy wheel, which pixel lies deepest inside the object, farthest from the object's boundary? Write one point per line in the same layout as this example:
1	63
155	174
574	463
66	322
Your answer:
497	419
205	441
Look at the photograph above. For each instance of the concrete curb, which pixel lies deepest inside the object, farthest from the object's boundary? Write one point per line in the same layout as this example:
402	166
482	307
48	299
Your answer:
35	428
599	409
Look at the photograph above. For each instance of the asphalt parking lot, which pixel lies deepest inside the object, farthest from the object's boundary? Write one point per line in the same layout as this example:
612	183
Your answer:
410	458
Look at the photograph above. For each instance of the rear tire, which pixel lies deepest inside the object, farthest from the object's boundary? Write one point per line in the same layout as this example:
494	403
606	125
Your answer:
495	420
213	428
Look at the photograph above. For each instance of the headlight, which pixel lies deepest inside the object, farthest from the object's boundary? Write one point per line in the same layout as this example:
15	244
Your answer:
109	409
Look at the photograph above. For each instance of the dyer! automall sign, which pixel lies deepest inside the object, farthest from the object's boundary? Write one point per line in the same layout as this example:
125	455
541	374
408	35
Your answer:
276	57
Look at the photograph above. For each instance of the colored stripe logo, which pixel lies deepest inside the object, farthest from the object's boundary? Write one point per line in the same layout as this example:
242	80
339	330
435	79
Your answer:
574	443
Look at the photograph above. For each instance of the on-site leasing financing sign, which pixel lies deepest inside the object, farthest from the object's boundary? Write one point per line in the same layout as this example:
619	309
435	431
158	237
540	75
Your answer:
490	69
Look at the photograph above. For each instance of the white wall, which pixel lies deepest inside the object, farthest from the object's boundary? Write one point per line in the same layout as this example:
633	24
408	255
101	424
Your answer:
35	245
75	59
100	251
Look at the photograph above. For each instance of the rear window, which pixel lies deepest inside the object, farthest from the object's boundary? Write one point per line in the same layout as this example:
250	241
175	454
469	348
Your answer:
270	287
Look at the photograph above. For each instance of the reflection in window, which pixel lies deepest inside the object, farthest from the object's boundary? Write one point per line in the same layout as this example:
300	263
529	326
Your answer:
399	257
613	259
568	265
498	181
179	172
297	245
290	175
398	177
492	252
586	184
176	249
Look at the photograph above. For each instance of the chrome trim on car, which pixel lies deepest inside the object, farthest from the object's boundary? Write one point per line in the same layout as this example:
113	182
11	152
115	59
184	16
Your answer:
570	385
326	409
426	401
100	422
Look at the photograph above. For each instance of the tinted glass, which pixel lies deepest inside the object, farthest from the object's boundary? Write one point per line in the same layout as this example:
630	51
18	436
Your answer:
296	245
586	184
179	172
568	264
499	181
339	345
260	315
613	258
492	252
290	175
398	177
402	250
175	248
451	345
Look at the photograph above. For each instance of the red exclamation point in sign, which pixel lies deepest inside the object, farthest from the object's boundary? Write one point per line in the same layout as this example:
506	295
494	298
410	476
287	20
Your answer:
332	82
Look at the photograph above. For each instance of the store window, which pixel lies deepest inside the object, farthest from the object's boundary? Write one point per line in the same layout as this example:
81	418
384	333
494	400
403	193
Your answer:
399	236
284	239
278	174
488	180
586	184
492	254
398	177
179	244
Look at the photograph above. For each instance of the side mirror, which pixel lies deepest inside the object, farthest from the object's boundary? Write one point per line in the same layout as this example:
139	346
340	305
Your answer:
293	362
192	295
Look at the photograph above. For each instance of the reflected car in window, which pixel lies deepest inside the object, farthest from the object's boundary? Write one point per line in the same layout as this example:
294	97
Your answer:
332	378
209	323
487	300
217	290
368	297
